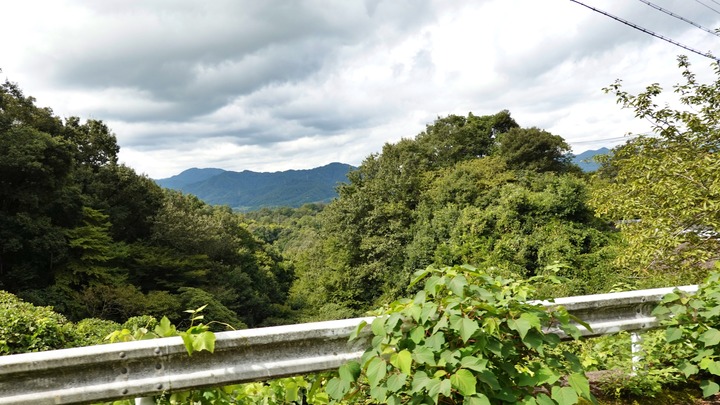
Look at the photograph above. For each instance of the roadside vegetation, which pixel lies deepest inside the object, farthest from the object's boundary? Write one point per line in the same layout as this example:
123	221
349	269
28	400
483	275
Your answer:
449	233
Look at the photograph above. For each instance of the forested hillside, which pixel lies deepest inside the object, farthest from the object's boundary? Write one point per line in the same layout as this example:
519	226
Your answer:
92	238
248	190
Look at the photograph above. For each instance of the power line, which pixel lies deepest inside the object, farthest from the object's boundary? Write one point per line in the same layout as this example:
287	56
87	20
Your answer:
700	2
647	31
668	12
715	2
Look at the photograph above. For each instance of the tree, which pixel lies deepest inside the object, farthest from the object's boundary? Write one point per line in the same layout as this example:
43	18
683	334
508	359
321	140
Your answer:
664	189
535	149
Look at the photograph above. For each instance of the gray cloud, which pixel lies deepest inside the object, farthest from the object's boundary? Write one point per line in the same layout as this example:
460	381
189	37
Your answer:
281	84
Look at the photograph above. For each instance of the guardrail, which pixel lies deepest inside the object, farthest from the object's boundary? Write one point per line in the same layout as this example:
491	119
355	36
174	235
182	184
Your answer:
151	367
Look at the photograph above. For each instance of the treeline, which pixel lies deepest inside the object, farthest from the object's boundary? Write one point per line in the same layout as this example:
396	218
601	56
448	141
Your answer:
474	189
92	238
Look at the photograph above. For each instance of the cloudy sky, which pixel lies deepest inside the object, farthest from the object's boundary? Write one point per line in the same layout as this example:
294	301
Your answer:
293	84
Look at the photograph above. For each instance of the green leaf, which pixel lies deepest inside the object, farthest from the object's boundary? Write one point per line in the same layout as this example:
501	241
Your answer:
378	326
457	285
710	365
404	361
417	334
445	388
480	399
463	381
688	368
337	388
376	371
379	394
349	371
522	326
709	388
424	355
395	382
466	326
357	330
165	328
673	334
204	341
420	381
473	363
580	384
710	337
564	395
543	399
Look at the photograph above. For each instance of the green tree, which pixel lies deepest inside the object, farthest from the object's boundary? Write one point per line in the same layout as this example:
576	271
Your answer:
664	189
535	149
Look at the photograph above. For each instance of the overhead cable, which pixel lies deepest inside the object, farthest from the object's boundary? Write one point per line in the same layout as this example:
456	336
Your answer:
705	6
647	31
668	12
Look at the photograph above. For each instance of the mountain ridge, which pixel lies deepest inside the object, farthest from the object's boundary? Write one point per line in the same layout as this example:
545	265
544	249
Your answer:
249	190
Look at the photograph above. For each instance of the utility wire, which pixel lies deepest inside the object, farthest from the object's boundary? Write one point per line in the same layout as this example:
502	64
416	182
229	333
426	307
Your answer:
670	13
705	6
647	31
715	2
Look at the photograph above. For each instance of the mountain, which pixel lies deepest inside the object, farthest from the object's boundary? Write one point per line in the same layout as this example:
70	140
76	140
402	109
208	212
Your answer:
584	160
248	190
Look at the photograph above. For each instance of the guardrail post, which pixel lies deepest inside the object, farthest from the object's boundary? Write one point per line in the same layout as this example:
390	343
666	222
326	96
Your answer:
145	401
636	349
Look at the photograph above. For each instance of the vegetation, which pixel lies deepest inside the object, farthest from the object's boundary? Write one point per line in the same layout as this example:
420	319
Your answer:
103	245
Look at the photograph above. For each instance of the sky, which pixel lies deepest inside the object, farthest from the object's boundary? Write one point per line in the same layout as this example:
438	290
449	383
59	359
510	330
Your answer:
294	84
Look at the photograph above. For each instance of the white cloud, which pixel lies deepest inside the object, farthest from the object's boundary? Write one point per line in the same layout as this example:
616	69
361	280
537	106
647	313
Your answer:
276	85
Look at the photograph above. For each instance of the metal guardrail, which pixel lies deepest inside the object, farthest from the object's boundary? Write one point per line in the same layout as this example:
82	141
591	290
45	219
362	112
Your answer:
151	367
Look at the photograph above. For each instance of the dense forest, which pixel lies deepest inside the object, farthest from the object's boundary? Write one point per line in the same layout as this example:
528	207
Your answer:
93	239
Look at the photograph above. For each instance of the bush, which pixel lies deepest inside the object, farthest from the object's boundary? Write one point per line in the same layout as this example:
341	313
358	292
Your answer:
27	328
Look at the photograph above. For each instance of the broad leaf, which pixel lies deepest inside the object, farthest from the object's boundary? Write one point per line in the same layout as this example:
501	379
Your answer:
464	381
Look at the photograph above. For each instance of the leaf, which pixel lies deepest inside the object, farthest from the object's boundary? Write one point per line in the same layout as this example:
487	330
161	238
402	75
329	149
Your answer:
580	384
349	371
420	381
357	330
710	337
395	382
376	371
404	361
688	368
424	355
709	388
673	334
480	399
466	326
710	365
564	395
457	285
522	326
204	341
337	388
543	399
464	381
379	394
473	363
378	326
165	328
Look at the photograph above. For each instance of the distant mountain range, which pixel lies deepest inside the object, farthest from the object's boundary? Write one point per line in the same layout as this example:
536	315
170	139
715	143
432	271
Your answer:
247	190
584	160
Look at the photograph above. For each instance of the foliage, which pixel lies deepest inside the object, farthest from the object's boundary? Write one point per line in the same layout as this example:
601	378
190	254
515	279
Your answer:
692	328
467	337
27	328
663	190
536	150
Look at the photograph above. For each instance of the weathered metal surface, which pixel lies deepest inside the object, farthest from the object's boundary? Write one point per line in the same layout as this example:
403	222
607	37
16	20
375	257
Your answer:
615	312
150	367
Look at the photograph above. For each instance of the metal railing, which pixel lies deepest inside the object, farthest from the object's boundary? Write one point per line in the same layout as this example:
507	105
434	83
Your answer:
151	367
